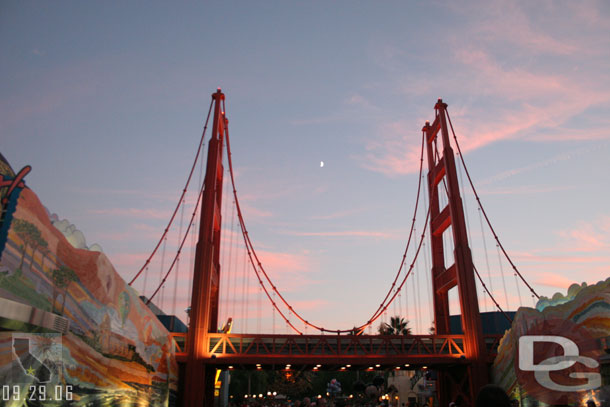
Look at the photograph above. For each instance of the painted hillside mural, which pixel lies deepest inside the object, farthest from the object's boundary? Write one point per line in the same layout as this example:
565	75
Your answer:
582	315
72	332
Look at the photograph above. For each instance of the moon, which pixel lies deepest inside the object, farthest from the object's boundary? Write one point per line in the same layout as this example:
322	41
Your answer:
321	164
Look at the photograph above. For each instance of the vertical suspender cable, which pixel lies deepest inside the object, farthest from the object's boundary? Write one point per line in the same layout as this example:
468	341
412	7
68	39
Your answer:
407	297
247	300
395	305
273	312
485	214
255	261
415	305
461	182
171	267
243	293
418	297
518	289
489	279
164	235
400	304
234	264
429	283
191	263
228	268
194	224
161	272
259	304
502	274
426	264
414	296
178	261
145	281
226	277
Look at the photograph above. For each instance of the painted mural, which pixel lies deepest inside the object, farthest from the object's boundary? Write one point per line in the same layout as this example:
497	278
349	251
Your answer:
112	351
569	340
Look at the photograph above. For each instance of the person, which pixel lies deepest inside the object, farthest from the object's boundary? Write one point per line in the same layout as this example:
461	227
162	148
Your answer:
591	403
452	404
492	395
514	403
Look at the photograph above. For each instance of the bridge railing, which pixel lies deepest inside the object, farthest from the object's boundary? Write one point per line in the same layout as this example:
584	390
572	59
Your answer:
334	345
244	345
179	343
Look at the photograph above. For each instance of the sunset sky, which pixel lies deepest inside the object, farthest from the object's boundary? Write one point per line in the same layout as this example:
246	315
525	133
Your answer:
106	102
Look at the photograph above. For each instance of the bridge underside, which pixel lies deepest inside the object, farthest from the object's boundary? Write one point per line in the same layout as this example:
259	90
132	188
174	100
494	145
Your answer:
333	352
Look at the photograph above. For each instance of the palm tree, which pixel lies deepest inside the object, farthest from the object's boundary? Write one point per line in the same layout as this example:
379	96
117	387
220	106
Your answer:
357	331
397	326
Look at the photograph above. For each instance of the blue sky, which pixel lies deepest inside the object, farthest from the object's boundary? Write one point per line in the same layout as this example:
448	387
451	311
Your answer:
106	101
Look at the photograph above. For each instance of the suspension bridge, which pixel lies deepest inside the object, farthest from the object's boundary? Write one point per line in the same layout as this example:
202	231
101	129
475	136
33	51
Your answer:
462	360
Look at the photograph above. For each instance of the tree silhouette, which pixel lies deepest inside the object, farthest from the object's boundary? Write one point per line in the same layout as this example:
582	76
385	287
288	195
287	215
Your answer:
23	229
39	244
62	277
31	237
397	326
356	331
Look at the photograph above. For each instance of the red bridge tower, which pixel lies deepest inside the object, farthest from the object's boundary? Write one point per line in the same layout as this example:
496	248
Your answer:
441	166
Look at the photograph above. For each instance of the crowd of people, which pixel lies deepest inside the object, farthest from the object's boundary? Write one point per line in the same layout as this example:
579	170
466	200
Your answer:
489	396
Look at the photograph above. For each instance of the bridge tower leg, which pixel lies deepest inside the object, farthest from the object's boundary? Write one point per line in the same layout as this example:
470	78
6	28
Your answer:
441	165
199	380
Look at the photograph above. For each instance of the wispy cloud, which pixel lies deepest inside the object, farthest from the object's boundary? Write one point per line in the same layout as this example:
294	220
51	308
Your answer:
504	98
392	151
360	101
588	237
337	215
144	194
347	233
251	213
553	280
525	189
132	213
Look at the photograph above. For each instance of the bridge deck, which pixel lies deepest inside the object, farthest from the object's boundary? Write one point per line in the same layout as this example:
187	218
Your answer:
247	350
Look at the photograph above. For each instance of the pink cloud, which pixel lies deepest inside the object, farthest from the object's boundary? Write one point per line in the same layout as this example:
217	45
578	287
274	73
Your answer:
509	99
587	237
128	264
284	262
393	151
555	258
554	280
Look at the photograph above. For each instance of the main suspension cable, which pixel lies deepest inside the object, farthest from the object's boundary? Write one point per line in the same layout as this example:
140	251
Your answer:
171	220
180	247
485	214
251	253
491	296
412	231
256	263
